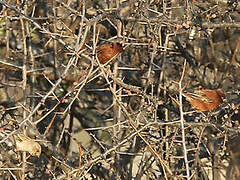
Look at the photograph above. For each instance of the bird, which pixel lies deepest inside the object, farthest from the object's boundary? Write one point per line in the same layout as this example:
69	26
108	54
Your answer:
109	52
205	99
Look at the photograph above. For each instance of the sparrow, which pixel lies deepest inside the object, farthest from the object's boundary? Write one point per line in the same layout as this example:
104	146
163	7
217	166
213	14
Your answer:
205	99
109	52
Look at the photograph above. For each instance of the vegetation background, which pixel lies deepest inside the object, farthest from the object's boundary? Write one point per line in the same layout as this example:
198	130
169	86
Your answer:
127	120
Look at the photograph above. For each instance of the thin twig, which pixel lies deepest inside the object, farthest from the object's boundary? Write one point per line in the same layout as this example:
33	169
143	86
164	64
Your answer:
182	122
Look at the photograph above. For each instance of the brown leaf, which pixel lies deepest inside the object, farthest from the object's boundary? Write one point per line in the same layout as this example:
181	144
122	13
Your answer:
26	144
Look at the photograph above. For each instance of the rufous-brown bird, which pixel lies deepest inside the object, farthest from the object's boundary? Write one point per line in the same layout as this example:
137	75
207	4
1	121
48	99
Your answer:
109	52
205	99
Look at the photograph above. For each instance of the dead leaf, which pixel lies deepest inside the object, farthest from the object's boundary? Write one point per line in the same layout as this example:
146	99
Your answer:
26	144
